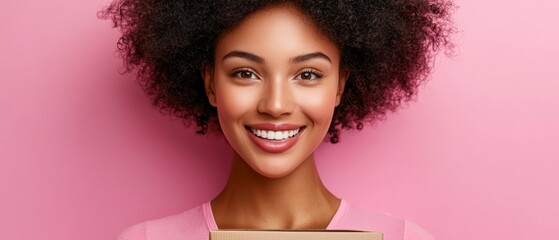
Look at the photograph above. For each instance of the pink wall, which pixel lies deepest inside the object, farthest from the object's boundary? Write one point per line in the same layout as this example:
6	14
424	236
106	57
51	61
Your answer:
83	155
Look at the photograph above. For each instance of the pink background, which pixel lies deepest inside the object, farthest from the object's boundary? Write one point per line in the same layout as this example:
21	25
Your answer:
83	155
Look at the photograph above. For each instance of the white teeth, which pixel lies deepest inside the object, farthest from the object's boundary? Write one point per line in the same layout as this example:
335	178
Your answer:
275	135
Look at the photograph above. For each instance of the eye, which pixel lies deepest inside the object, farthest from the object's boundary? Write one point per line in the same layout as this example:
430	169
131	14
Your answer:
244	74
308	75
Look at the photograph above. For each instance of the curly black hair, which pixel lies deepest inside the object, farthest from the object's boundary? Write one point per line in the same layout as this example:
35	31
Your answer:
387	45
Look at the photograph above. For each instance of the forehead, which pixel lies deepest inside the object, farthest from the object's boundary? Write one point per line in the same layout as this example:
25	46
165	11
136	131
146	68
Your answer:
274	32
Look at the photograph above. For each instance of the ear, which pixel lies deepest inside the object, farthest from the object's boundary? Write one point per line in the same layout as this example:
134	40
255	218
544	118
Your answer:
344	75
208	76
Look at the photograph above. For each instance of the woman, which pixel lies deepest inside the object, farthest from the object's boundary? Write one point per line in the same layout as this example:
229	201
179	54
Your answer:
277	77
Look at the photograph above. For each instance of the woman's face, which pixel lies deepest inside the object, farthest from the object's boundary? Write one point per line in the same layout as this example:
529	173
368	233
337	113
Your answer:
275	83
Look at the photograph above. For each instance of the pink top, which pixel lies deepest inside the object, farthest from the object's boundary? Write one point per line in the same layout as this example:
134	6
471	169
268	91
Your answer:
195	224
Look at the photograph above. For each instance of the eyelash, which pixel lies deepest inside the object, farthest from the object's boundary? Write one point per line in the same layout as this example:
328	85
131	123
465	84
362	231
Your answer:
315	75
237	73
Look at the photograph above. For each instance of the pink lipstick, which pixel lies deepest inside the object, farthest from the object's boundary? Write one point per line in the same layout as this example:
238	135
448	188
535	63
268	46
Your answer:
274	138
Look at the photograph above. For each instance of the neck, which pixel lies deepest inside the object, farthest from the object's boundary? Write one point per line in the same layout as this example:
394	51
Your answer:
296	201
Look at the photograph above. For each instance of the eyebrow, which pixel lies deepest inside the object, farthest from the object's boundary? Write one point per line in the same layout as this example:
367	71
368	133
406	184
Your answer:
244	55
298	59
310	56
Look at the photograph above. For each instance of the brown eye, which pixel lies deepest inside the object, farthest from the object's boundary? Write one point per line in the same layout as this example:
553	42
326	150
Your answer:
308	75
246	74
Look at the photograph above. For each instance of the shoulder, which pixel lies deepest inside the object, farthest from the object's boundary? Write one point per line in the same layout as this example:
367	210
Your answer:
136	232
189	224
393	228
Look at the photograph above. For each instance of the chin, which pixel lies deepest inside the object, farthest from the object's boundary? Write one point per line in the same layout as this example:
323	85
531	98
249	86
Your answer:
275	173
275	168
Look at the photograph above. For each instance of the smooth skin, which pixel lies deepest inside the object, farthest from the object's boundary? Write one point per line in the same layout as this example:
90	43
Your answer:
275	67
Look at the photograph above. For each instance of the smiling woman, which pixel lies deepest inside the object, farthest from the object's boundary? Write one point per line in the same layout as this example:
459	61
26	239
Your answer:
276	77
275	73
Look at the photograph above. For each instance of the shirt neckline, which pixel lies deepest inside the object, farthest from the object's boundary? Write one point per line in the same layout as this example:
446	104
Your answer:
212	225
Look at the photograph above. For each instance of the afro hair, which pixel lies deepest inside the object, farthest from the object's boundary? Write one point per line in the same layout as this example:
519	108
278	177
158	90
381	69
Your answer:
388	47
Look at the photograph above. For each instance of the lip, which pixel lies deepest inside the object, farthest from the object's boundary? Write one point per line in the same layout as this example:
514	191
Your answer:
274	146
275	127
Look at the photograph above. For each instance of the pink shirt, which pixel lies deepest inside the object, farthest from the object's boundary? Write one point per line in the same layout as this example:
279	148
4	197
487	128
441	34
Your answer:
195	224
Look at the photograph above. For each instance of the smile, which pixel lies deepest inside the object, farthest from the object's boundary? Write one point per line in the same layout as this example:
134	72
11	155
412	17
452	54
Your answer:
275	135
274	138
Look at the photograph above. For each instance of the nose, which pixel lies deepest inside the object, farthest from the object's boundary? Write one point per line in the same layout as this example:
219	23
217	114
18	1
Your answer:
277	98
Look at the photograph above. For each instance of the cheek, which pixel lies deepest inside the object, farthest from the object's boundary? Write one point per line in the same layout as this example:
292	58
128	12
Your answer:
233	102
319	104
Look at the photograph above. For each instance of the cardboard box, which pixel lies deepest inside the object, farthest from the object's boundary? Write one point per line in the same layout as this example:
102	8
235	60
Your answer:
293	235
